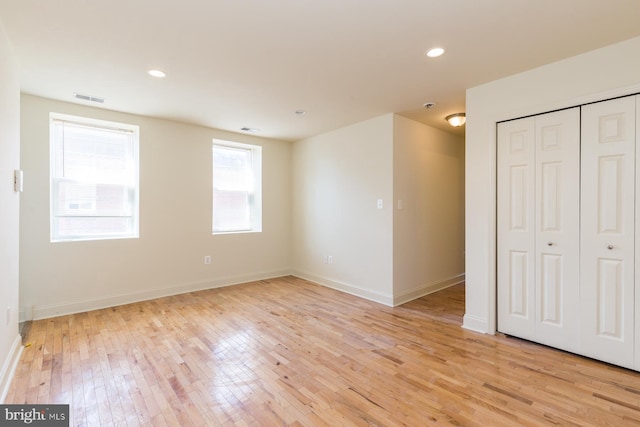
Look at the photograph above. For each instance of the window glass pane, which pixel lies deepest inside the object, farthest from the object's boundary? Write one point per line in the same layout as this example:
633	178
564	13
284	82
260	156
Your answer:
96	155
78	198
232	169
77	228
231	211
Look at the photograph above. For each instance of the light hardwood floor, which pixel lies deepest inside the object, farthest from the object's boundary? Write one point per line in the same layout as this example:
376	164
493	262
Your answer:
288	352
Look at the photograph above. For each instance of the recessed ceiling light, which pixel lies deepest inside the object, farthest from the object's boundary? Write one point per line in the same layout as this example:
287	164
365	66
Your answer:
299	112
435	52
157	73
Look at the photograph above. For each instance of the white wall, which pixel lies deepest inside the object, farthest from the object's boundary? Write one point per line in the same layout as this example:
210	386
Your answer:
387	255
428	230
9	212
337	179
320	199
600	74
175	221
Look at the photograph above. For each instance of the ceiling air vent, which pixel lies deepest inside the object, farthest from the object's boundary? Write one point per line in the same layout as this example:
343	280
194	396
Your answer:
248	129
89	98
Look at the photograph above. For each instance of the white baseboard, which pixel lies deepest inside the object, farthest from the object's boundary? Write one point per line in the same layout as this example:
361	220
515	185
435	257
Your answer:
427	289
475	324
25	314
9	367
345	287
79	306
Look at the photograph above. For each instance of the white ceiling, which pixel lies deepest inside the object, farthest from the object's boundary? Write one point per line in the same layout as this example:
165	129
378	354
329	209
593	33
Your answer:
237	63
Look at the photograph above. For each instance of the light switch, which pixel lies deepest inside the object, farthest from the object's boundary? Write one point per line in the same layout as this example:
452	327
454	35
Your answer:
380	204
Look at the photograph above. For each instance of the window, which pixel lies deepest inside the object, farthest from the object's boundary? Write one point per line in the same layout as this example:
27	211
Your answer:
94	179
237	187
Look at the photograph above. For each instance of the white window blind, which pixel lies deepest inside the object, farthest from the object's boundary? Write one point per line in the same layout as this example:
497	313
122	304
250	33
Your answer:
94	179
237	187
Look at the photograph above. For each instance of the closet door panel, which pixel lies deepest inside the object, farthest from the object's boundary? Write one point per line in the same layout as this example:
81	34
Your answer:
557	142
538	234
636	296
608	231
516	229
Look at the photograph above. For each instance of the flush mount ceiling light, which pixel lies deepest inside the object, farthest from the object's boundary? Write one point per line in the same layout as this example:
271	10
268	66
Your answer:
157	73
435	52
456	120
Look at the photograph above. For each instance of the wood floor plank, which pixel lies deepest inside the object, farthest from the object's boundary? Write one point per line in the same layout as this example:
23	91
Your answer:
289	352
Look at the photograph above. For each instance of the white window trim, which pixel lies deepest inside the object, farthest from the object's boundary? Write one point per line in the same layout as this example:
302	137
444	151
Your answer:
135	198
256	206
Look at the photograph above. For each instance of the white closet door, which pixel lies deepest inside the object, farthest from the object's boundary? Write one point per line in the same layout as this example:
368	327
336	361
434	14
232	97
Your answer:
516	229
558	228
607	231
637	262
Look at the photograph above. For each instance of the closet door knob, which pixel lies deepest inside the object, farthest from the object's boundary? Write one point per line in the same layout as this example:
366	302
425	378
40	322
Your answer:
610	247
550	244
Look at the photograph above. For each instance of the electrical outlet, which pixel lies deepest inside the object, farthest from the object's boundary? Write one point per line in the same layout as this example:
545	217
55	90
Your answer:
207	259
8	315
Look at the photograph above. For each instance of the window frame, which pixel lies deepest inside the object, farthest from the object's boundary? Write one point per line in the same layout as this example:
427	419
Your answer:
255	196
56	176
